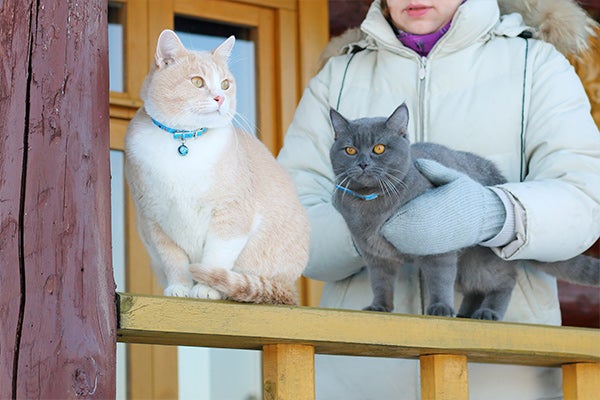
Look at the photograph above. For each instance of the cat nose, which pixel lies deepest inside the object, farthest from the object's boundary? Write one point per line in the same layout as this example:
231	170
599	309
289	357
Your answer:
219	99
363	165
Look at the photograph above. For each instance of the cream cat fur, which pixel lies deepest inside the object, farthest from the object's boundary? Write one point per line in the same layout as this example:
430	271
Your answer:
224	220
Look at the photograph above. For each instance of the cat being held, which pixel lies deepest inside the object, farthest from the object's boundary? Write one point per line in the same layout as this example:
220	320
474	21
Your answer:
219	216
375	173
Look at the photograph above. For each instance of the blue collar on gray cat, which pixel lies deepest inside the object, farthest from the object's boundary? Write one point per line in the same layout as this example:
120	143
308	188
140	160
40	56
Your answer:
180	134
367	197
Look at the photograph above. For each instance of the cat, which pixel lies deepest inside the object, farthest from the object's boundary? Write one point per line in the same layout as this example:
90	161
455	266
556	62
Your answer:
219	216
375	175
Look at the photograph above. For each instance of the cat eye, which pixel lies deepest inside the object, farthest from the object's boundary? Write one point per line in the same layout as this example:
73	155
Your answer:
198	82
350	150
378	149
225	84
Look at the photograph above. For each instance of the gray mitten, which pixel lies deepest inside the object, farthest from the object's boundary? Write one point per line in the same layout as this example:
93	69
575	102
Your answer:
459	212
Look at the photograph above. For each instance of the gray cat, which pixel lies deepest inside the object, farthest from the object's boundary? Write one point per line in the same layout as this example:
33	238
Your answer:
373	163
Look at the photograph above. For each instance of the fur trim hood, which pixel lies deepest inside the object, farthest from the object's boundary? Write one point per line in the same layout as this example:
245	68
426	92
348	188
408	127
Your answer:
562	23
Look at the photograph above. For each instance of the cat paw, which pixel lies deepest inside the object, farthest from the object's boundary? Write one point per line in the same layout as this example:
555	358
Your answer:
378	307
177	291
487	314
200	291
440	310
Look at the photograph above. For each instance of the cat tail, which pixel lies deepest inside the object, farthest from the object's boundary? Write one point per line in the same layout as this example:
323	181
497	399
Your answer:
246	288
582	270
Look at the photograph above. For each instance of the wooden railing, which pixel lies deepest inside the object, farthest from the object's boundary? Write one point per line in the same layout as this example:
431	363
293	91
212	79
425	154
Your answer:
290	336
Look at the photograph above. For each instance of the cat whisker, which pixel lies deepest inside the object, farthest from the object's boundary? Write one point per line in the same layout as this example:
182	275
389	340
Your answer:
391	177
397	180
397	171
245	124
342	180
390	189
383	185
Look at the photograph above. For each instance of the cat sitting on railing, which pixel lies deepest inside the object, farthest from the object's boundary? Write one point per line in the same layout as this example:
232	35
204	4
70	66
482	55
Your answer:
220	218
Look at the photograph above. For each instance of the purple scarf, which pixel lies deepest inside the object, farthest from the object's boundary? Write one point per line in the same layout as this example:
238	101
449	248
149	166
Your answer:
422	44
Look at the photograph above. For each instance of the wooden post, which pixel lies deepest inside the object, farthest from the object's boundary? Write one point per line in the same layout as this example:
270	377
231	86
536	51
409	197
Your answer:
57	314
581	381
444	377
14	37
288	372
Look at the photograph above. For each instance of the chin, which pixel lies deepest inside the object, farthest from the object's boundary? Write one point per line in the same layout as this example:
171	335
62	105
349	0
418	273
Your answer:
421	27
218	121
365	182
212	119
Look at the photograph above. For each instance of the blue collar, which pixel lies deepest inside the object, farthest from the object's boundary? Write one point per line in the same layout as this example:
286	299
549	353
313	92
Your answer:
366	197
180	134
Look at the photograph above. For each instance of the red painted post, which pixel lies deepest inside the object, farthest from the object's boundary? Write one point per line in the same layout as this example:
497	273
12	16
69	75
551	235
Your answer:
57	314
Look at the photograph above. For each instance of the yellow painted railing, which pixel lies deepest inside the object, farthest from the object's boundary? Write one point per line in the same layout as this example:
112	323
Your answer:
290	336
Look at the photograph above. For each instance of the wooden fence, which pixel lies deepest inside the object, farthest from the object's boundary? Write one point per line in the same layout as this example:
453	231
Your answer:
290	336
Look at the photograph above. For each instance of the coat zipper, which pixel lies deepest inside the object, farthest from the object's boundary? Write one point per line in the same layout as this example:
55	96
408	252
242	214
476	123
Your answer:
422	76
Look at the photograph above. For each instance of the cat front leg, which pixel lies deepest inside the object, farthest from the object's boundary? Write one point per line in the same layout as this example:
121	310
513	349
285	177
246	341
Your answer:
382	276
219	254
471	302
439	274
494	305
168	260
202	291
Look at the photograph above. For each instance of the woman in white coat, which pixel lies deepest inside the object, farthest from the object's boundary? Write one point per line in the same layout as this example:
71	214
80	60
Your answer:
473	81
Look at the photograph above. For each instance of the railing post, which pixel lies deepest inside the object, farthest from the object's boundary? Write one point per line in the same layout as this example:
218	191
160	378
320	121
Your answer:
444	377
288	372
581	381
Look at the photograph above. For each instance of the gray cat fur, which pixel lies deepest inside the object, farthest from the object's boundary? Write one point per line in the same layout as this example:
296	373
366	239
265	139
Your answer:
485	280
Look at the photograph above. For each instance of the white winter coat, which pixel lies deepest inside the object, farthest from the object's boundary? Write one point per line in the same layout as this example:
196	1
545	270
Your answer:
481	89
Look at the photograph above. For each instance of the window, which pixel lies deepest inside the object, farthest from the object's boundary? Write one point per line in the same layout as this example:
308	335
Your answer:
115	46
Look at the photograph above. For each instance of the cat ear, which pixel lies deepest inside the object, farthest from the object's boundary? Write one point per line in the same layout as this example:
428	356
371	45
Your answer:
398	121
339	123
168	48
224	49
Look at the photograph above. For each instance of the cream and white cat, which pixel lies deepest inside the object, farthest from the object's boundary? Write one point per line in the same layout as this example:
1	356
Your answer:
218	215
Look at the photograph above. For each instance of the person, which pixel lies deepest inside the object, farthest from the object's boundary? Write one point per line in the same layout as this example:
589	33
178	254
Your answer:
475	81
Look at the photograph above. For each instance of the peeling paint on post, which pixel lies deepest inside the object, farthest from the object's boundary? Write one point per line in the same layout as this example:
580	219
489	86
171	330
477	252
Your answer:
58	332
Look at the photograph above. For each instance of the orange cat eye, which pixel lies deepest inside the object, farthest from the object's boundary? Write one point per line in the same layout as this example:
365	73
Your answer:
350	150
378	149
198	82
225	84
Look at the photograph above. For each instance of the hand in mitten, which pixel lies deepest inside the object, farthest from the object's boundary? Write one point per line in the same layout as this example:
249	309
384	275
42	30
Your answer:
459	212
